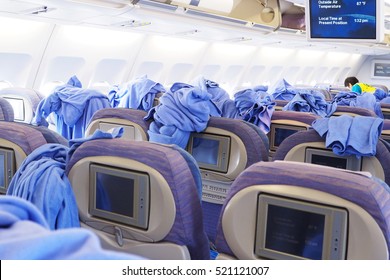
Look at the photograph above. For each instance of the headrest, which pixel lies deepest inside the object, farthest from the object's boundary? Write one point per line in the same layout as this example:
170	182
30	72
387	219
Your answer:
254	139
50	135
306	118
365	191
26	137
133	115
31	99
6	110
386	124
31	95
311	136
166	167
354	111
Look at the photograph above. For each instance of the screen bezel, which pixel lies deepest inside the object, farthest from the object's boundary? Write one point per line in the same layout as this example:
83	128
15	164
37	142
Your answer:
335	227
9	168
222	165
11	100
379	34
353	163
128	130
141	196
272	133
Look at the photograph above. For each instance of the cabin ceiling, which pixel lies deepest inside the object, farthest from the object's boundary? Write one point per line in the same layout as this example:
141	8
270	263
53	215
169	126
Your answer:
166	17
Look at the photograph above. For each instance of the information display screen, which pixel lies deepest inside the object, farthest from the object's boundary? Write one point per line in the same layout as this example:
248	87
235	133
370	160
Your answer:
345	20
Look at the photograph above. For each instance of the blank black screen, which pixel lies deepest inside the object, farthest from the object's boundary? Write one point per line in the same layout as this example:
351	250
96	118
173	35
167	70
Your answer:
329	161
295	232
115	194
281	134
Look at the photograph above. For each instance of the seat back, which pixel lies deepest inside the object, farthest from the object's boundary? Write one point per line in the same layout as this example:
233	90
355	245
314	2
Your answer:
286	123
274	210
353	111
383	87
385	134
6	110
24	102
17	140
132	121
223	150
334	90
385	108
308	146
323	91
140	197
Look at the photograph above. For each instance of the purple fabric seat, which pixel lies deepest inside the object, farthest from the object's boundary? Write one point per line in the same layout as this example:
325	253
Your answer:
6	110
173	169
30	97
253	138
22	139
255	144
385	107
315	184
28	138
308	137
354	111
306	118
119	116
386	125
288	120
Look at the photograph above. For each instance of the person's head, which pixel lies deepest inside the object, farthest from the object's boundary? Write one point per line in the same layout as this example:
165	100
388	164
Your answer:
350	81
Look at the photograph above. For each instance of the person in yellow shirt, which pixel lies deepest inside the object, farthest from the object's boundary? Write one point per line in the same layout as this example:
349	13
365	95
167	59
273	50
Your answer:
359	88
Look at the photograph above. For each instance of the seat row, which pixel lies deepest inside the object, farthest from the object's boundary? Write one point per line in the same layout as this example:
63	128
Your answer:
223	152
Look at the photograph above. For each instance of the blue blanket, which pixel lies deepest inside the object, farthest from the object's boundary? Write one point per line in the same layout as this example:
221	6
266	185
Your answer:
41	179
218	96
282	90
245	99
260	113
353	99
137	94
347	135
229	110
255	107
25	235
182	110
308	100
72	106
380	94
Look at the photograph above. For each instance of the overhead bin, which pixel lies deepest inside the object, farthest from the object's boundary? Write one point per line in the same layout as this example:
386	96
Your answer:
248	12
